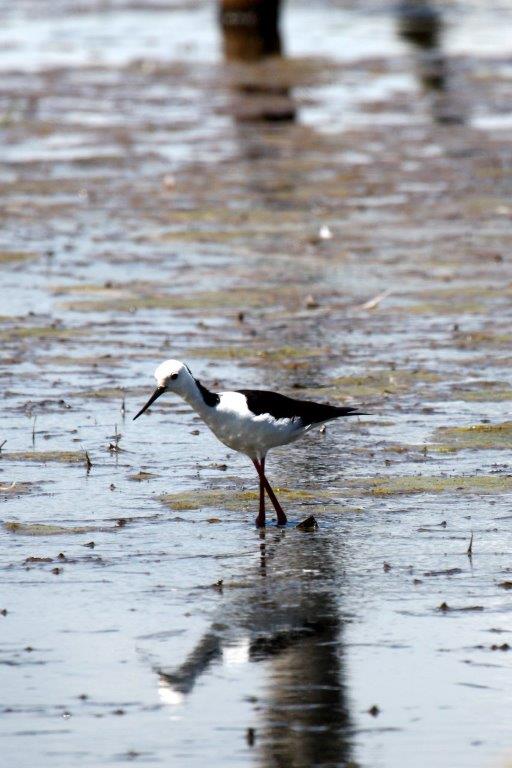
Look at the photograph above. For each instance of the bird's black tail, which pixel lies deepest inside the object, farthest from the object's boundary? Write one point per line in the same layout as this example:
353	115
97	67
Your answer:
316	413
347	410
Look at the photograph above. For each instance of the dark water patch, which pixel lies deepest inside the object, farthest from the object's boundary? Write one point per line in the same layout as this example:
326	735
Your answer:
142	475
445	608
446	572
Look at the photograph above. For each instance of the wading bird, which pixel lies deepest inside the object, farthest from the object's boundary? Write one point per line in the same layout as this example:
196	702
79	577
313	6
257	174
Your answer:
251	421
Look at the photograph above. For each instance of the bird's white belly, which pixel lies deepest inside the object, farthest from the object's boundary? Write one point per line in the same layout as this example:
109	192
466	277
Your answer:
250	434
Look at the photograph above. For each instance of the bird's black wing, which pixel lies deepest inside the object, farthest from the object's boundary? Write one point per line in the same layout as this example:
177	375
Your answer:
282	407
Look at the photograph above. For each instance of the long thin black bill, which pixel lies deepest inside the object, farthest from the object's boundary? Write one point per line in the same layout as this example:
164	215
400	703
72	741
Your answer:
156	394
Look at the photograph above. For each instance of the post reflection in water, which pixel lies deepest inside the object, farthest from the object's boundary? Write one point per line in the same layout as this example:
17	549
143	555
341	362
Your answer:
252	45
288	622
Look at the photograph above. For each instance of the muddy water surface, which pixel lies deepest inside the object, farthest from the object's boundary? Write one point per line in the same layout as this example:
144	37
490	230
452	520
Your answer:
354	246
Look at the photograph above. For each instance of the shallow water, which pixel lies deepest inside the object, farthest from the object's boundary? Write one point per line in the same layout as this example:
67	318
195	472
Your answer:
144	216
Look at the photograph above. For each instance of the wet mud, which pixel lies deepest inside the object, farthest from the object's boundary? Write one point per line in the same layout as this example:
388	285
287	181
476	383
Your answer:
334	223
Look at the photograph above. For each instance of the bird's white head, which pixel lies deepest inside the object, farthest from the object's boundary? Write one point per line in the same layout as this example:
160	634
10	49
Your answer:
171	376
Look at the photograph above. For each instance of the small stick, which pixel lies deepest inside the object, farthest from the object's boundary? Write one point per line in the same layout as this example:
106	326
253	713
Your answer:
2	445
88	462
34	430
469	551
373	303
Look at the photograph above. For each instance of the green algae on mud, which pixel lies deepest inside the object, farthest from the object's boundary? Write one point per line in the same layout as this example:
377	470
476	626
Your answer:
15	488
382	382
273	355
14	257
415	484
47	529
476	339
457	300
483	391
237	298
64	457
476	436
233	500
105	393
448	308
85	361
38	332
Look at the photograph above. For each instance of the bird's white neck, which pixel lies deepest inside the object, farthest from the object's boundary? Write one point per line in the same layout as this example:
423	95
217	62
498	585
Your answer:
192	394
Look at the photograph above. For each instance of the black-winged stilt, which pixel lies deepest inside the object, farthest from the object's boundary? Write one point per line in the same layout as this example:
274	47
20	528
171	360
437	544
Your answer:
251	421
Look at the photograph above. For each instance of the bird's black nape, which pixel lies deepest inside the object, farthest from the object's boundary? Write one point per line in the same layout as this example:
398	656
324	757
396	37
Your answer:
210	398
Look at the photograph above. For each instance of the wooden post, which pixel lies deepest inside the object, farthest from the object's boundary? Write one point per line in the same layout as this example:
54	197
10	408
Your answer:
250	29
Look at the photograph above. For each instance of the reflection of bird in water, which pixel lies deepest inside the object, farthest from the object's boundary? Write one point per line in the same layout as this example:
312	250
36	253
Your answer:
291	627
251	421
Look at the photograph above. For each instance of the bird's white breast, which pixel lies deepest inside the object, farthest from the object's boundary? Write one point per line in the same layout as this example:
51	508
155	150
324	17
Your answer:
240	429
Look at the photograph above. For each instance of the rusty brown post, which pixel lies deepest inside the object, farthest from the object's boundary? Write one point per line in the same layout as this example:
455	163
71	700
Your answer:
250	29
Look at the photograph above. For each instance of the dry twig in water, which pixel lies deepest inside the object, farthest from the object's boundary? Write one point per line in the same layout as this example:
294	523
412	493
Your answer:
373	303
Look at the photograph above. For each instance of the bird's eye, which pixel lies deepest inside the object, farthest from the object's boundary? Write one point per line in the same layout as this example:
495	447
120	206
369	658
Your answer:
174	375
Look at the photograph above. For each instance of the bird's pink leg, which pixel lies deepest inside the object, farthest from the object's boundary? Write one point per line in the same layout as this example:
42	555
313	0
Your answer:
260	520
260	468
